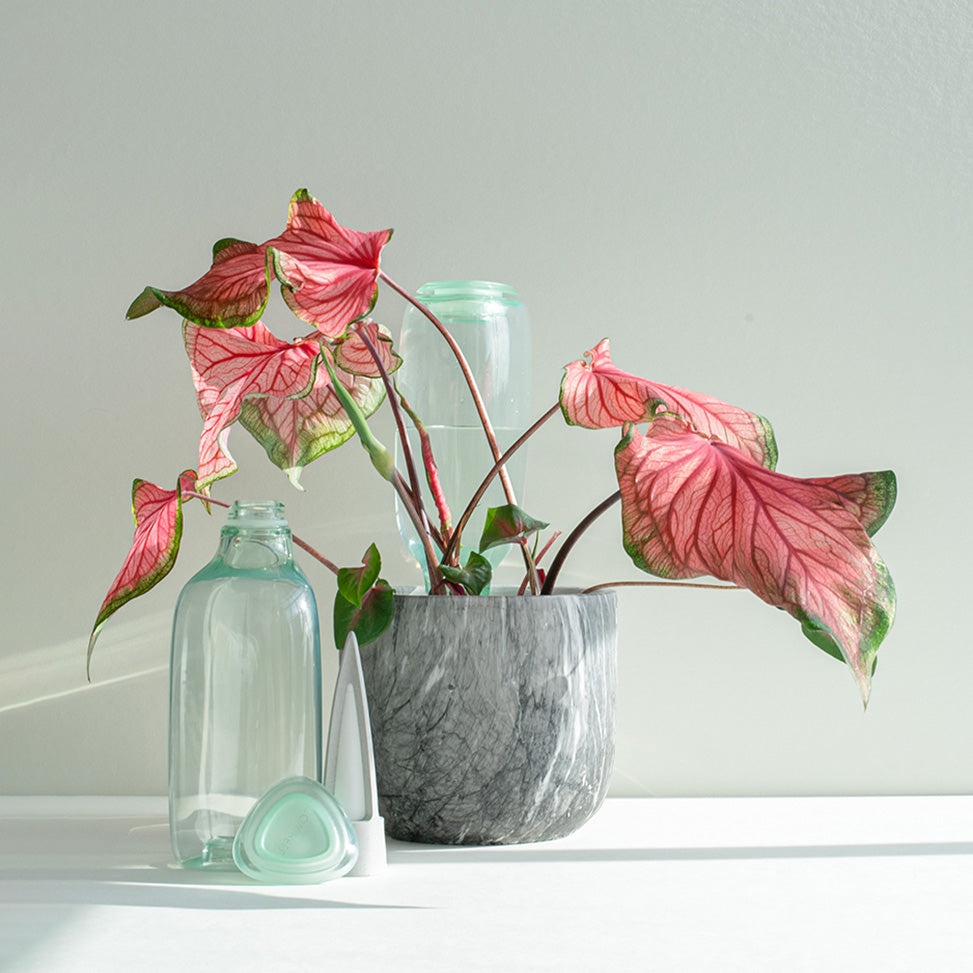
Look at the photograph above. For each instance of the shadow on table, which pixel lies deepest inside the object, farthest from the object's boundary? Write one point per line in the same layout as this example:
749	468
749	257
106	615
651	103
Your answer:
142	888
46	860
406	852
37	905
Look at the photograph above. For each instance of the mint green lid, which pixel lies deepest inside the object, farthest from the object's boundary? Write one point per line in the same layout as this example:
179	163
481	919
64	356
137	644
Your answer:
296	834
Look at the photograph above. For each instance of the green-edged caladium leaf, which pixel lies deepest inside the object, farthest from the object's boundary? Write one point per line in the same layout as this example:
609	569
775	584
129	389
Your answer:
227	367
232	293
598	395
158	531
328	275
275	387
295	432
507	525
364	603
474	577
693	505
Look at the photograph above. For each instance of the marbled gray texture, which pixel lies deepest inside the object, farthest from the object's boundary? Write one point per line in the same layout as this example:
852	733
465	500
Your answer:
493	718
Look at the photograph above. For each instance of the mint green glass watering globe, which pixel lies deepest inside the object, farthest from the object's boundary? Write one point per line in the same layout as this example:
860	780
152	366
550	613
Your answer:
491	325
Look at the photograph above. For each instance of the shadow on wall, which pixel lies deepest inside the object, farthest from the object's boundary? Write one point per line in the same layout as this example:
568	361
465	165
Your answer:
64	735
129	651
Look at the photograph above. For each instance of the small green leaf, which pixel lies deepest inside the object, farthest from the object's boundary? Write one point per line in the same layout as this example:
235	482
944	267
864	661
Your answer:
353	583
367	620
474	577
364	603
507	525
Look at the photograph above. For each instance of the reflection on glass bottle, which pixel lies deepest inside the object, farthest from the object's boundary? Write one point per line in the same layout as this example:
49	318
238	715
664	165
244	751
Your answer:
245	691
491	326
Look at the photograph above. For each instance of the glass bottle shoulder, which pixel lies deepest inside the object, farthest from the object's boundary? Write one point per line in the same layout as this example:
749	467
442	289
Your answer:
219	569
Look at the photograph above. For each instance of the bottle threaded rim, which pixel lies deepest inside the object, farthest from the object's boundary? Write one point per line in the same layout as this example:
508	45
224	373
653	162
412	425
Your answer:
467	290
257	513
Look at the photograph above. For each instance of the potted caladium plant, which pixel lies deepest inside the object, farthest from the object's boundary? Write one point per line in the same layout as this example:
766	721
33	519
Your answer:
697	491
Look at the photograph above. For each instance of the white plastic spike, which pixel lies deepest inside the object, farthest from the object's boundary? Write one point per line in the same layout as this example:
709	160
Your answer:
349	763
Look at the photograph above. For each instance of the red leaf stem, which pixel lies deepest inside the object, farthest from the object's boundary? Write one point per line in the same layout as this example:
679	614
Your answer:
432	470
573	539
661	584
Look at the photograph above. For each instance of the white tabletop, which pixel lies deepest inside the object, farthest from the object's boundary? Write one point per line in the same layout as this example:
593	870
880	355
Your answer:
779	884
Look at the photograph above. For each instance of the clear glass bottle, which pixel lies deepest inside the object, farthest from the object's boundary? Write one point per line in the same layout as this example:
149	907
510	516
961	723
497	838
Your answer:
491	325
245	690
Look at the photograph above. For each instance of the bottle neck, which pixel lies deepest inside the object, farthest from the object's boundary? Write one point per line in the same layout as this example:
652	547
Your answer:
256	536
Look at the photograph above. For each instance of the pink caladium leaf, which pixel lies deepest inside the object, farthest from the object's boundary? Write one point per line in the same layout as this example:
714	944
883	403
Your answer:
352	352
277	391
158	531
692	505
598	395
227	367
869	497
328	275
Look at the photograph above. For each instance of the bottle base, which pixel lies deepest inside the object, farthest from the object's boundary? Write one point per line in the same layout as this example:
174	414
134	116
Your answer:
217	855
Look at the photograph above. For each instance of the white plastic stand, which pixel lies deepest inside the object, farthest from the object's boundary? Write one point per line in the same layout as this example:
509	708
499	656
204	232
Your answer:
349	764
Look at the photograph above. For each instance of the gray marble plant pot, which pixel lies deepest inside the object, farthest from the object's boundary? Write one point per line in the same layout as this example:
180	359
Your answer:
493	718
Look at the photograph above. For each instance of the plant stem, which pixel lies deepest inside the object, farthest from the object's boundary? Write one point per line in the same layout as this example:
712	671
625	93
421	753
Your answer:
333	568
382	461
573	538
381	458
432	563
432	470
661	584
537	560
467	375
391	395
317	555
187	494
532	576
488	479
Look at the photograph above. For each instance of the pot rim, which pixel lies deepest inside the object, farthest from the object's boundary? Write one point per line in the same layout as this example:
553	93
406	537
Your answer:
506	593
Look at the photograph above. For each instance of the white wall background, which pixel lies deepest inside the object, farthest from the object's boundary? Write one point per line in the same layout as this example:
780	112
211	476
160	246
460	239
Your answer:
769	201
